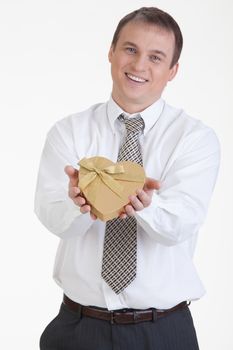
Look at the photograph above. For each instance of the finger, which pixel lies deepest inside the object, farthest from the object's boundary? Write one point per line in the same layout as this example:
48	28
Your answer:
93	216
151	184
85	209
73	174
136	203
80	201
70	171
129	210
144	198
74	192
122	215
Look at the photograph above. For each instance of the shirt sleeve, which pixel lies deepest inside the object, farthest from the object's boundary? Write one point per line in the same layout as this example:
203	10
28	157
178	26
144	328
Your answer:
53	207
179	208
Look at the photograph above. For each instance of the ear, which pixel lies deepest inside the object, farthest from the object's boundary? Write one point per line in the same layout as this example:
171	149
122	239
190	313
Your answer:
173	71
110	54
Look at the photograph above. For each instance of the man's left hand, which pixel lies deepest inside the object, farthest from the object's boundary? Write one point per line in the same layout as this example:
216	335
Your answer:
142	199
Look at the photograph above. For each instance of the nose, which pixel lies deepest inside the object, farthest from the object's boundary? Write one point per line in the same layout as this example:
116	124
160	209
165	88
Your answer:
139	63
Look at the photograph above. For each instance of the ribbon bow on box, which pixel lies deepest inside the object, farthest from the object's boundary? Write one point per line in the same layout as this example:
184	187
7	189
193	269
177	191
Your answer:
107	186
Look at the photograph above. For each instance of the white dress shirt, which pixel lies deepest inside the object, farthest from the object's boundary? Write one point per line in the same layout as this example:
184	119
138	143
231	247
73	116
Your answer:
178	150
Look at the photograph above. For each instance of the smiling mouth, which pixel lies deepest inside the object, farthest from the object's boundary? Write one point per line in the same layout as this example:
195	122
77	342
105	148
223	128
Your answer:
135	78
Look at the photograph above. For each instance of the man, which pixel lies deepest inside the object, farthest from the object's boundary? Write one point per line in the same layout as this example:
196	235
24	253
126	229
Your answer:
147	308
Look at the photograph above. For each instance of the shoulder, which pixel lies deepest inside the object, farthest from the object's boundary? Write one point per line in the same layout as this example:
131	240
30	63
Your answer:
68	125
191	129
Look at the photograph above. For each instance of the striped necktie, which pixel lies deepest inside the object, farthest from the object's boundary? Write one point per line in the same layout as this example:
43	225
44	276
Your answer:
120	245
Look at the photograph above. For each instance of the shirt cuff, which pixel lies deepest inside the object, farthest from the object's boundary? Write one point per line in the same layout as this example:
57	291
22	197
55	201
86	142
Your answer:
146	216
150	220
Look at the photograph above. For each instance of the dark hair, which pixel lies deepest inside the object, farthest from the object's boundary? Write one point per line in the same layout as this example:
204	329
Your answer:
153	15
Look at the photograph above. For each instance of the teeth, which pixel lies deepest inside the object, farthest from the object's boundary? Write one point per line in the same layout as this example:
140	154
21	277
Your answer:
136	78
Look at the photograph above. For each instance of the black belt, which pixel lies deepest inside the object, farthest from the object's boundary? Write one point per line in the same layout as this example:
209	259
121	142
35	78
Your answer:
122	316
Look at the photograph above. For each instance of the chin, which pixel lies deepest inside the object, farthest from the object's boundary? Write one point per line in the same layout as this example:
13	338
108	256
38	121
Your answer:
135	99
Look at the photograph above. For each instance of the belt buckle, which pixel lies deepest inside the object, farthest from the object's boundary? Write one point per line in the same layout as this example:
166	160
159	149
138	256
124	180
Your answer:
136	317
154	315
112	321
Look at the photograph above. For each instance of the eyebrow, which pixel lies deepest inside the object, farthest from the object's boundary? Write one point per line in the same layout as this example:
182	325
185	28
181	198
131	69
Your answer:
159	52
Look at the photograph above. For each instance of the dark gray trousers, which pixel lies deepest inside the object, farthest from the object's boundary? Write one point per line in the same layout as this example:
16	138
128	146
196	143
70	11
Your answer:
67	331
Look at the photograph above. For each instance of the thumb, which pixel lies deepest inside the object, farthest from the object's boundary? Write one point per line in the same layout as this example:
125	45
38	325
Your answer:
72	173
151	184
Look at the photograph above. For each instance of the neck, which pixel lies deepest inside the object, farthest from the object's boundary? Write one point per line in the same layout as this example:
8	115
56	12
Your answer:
129	107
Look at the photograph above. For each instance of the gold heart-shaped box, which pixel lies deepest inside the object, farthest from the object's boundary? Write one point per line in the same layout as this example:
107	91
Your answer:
107	185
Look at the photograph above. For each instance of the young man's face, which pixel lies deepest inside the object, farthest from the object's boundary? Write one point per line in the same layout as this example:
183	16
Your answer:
140	65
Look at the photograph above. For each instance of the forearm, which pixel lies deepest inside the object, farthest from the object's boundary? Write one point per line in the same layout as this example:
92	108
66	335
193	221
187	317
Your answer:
170	223
60	215
53	206
179	208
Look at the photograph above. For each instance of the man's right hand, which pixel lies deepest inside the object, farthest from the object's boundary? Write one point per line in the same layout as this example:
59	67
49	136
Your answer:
75	192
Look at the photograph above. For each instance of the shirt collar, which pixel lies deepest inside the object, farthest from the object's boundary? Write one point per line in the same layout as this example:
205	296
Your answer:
150	115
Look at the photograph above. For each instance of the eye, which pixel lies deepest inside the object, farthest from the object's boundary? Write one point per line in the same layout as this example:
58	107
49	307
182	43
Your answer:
155	58
130	50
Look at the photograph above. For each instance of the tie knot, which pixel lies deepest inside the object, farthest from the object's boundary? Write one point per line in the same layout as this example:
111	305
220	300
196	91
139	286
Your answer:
133	125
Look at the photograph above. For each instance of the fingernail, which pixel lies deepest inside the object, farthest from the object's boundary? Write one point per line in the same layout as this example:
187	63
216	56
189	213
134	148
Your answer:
131	198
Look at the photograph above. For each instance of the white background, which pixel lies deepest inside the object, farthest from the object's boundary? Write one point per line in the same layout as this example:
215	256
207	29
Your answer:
53	63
